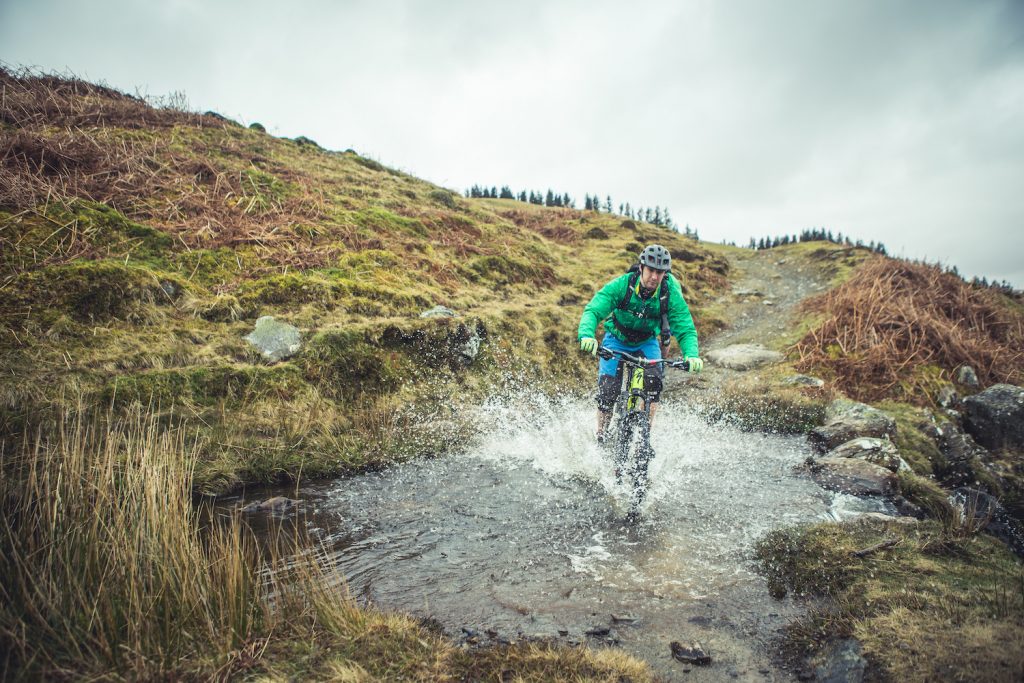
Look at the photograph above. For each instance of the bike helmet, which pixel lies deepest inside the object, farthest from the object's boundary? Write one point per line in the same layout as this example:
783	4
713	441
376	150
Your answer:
656	256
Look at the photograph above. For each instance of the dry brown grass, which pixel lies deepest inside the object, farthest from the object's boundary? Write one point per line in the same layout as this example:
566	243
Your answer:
66	139
895	326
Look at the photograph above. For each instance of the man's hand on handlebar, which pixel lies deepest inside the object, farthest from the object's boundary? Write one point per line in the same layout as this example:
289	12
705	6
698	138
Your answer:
696	364
589	344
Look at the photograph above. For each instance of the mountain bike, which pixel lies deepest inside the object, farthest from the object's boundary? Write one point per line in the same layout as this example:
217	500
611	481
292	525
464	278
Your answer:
631	423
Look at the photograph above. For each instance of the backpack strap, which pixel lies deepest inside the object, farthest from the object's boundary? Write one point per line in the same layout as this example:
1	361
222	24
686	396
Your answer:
629	288
666	329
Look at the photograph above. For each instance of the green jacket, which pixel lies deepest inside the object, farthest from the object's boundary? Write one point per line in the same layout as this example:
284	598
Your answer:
643	316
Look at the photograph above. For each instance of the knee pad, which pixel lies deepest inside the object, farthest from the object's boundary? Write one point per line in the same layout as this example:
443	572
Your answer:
607	392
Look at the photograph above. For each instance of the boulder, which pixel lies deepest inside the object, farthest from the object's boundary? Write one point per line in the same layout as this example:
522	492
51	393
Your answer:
840	662
853	476
744	356
995	417
846	420
439	312
881	452
967	376
275	340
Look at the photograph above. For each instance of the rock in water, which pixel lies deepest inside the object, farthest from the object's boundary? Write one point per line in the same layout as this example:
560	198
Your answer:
995	417
275	340
275	504
690	653
743	356
846	420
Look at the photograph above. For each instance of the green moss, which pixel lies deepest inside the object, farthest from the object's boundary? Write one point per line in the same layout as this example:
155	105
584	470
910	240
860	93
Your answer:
913	604
205	385
780	410
344	363
89	291
927	495
916	447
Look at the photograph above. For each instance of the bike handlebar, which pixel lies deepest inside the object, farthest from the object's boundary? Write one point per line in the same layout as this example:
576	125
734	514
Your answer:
608	354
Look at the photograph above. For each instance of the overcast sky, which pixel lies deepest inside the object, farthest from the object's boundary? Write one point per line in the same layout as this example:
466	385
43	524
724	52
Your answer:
899	122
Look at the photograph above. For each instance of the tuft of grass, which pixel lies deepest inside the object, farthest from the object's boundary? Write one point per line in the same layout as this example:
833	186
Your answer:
912	603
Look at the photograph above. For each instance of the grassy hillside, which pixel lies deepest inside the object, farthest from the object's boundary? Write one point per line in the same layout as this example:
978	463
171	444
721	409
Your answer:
140	244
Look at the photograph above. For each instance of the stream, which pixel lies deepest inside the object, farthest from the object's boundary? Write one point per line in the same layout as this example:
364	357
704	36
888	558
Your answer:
525	533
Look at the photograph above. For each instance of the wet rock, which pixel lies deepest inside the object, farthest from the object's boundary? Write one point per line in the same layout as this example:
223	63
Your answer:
846	420
948	397
623	619
962	455
598	631
987	513
880	452
804	381
841	662
275	340
853	476
995	417
966	376
439	312
690	653
470	348
743	356
275	504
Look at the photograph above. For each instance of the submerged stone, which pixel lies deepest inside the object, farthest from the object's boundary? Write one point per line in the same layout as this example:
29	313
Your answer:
275	340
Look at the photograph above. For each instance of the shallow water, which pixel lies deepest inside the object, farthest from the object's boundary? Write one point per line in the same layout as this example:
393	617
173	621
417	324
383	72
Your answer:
525	533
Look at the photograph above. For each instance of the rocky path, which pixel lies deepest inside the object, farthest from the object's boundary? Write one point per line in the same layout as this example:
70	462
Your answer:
760	307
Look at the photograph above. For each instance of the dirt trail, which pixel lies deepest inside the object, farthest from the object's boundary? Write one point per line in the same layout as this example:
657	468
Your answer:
768	286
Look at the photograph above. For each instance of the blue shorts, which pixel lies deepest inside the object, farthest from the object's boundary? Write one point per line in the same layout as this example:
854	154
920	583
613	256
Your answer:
649	349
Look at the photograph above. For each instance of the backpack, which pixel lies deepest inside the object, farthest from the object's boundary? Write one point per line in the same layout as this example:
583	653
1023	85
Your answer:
666	330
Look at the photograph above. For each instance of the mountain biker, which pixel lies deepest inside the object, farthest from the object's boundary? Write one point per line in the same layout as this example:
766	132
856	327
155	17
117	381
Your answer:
638	307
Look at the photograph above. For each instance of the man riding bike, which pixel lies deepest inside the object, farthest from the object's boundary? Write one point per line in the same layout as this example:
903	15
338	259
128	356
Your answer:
638	307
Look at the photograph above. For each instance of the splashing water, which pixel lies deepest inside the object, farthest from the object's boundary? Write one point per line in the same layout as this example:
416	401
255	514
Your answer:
525	532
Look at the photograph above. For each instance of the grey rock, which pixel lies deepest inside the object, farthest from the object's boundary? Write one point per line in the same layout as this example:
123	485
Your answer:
841	662
439	312
948	397
853	476
690	653
881	452
966	376
744	356
987	513
995	417
846	420
275	340
470	348
804	381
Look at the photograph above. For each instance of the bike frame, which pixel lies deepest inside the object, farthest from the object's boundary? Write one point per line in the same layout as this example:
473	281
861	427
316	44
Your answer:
632	446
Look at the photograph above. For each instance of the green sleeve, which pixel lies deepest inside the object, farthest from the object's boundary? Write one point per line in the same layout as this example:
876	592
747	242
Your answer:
681	321
602	305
